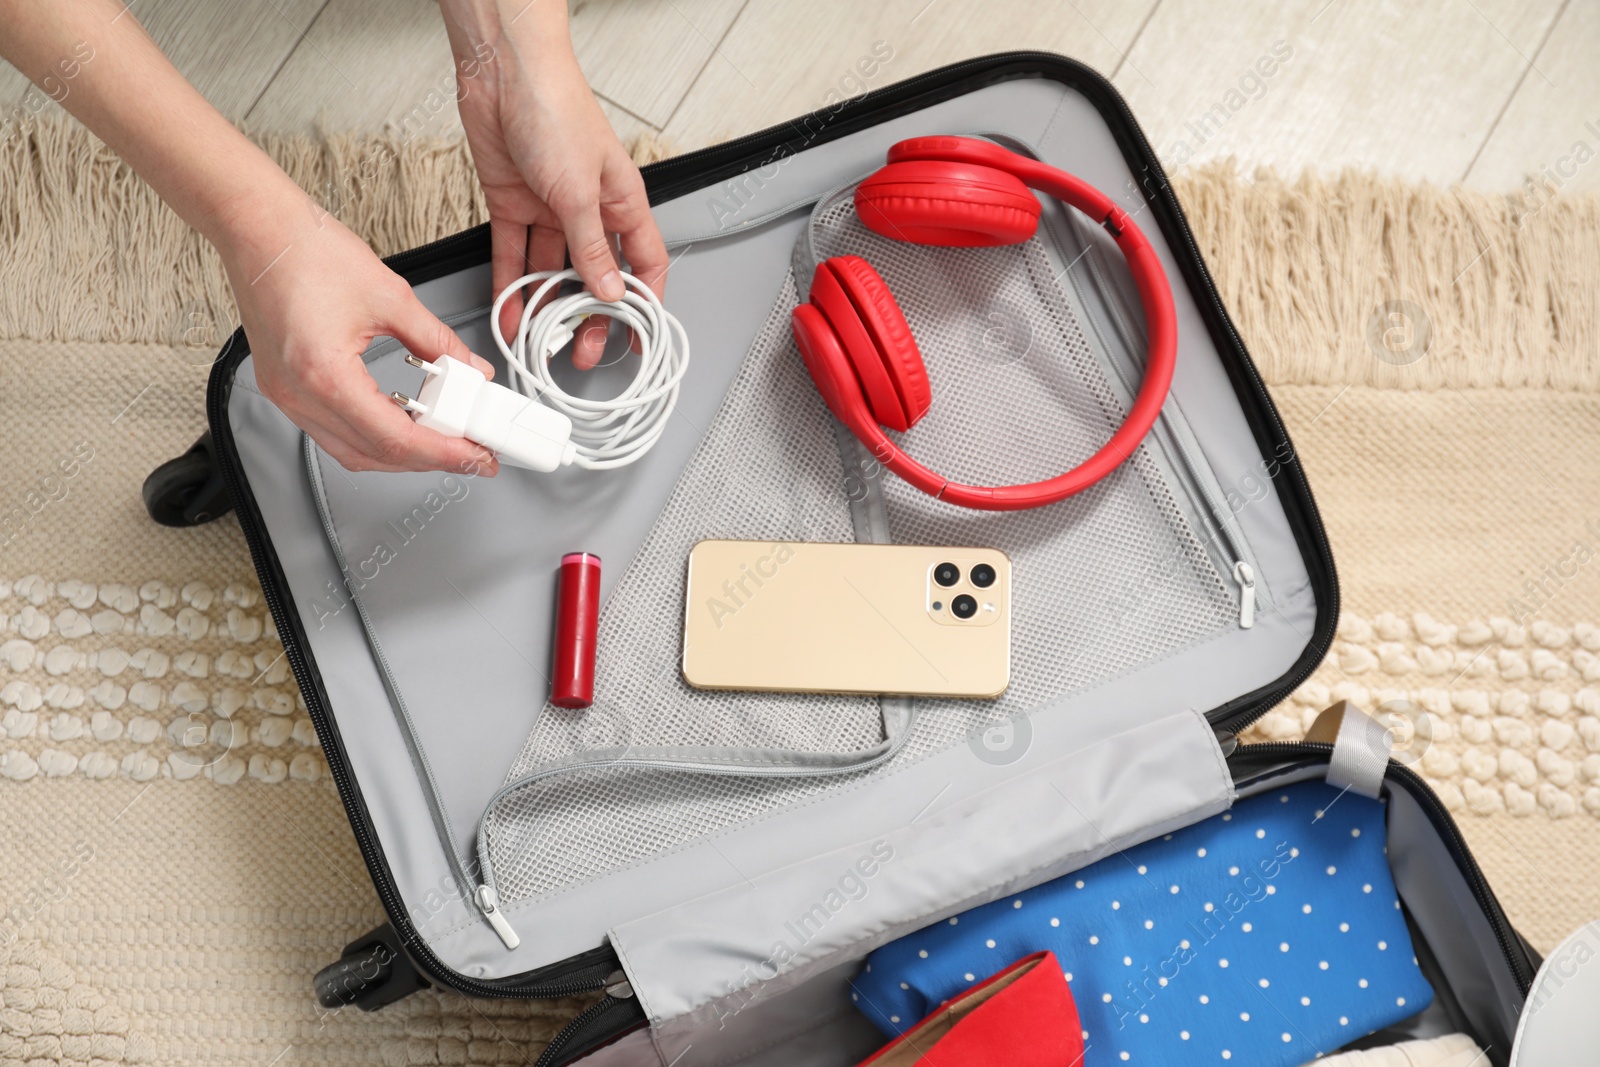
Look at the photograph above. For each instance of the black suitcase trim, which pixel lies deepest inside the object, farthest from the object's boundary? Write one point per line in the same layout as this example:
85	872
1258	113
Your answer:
665	180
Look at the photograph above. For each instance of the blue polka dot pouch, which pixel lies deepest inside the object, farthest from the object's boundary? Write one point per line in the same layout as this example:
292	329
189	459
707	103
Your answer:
1270	934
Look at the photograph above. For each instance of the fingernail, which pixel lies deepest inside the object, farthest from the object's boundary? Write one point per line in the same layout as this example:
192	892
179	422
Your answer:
611	286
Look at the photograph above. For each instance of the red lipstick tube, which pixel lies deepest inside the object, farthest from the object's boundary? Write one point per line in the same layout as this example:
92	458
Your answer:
577	622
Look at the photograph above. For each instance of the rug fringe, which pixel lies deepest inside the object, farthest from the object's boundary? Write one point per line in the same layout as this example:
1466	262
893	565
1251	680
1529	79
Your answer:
1505	288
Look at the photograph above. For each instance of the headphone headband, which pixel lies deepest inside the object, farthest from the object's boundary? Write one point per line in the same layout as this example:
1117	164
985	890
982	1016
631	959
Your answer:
1053	181
953	150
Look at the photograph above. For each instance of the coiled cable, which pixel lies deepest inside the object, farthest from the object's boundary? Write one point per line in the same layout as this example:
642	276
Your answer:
605	433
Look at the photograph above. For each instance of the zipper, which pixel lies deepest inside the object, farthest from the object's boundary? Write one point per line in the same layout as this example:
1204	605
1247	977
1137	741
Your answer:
1240	712
1239	561
569	977
673	177
483	895
1309	752
1245	575
1222	543
602	1022
489	903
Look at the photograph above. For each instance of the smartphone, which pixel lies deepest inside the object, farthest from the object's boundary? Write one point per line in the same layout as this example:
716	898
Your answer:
805	617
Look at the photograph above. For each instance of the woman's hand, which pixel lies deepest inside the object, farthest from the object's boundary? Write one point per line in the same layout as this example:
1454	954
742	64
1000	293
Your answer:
556	179
312	297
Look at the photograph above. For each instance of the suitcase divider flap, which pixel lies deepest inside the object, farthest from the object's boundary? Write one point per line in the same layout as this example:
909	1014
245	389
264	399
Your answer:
697	966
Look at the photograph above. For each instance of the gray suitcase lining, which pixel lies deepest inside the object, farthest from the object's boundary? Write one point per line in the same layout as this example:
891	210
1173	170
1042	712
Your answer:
462	605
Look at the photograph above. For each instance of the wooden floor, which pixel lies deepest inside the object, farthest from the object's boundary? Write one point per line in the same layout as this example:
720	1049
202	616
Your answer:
1483	92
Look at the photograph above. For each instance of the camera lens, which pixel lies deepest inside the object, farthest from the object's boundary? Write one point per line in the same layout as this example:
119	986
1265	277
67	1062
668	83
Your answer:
963	607
947	574
983	576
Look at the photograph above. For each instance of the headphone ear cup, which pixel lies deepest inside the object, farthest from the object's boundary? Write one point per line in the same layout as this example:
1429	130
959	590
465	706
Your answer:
859	347
825	360
893	349
937	202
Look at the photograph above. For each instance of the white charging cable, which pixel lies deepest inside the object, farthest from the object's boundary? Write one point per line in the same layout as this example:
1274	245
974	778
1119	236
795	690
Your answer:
605	433
538	425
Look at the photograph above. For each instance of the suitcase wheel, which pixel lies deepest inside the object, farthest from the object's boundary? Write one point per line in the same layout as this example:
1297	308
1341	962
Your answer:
188	490
373	972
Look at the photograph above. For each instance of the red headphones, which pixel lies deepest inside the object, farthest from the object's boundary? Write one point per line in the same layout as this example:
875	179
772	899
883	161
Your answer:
960	192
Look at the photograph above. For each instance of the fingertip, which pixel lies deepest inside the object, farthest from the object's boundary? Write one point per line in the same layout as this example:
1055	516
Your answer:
510	314
656	281
590	346
610	286
647	255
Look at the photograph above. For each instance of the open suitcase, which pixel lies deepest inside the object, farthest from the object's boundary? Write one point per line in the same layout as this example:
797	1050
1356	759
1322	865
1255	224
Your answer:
663	844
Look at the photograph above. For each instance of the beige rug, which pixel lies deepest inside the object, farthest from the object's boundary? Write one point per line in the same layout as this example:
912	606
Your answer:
150	915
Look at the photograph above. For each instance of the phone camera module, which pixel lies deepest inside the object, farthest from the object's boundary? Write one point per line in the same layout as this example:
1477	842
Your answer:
983	576
947	574
964	607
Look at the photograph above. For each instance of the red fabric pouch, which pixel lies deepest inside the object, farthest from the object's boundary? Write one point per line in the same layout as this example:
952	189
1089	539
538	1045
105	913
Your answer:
1024	1016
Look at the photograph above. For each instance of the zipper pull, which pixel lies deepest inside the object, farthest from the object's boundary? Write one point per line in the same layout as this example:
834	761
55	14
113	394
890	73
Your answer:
489	903
1247	594
618	987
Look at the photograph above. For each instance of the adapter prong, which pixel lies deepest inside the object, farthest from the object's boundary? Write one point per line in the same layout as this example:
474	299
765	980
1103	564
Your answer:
415	362
408	403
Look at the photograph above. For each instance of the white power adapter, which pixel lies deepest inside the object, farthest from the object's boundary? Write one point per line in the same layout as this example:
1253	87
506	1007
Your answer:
458	401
